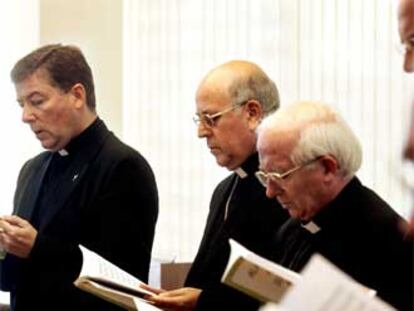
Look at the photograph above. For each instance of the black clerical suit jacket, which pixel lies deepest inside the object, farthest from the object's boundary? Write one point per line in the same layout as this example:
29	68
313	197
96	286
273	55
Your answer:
359	233
106	199
252	220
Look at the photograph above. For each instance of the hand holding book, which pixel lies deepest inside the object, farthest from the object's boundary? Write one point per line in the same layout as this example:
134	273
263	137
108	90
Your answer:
109	282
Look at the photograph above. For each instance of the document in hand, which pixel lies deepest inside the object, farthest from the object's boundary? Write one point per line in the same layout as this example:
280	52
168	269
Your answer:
324	287
257	276
107	281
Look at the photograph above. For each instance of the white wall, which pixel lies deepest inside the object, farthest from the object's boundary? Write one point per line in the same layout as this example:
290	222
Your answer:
19	32
341	52
96	27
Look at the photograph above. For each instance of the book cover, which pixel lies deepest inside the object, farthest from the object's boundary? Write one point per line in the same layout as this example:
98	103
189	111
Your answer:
257	276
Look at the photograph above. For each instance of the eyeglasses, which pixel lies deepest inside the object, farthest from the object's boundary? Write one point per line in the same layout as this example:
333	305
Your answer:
406	46
264	177
210	120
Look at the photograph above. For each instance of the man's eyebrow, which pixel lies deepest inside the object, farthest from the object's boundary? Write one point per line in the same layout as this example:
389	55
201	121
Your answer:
202	113
34	93
208	111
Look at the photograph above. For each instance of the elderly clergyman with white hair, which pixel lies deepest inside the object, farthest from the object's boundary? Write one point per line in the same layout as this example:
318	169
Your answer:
308	160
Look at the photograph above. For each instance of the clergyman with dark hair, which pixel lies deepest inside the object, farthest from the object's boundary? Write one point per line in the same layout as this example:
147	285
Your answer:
87	188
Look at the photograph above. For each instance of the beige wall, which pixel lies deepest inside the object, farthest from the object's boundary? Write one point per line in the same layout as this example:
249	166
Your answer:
96	27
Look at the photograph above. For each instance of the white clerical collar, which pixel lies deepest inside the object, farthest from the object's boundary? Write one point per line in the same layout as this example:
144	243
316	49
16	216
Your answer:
311	227
241	172
63	152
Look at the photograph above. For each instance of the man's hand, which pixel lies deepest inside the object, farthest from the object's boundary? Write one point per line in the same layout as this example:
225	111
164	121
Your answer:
182	299
153	290
17	235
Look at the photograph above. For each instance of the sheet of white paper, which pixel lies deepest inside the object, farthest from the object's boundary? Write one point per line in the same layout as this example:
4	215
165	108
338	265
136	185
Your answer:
326	288
4	298
272	307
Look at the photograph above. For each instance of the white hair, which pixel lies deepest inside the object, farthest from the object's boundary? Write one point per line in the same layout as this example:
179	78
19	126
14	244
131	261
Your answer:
320	131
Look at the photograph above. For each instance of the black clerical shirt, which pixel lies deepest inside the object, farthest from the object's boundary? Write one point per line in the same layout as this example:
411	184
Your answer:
58	165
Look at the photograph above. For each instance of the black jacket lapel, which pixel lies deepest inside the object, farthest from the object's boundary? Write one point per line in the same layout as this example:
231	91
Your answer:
28	190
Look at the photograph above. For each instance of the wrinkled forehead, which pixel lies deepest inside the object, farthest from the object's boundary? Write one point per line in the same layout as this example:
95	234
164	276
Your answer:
210	99
276	142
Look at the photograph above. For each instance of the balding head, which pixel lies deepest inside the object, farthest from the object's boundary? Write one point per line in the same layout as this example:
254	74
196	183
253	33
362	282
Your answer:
231	101
239	81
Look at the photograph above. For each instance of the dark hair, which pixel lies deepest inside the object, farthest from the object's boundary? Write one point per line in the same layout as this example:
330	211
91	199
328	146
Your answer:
65	66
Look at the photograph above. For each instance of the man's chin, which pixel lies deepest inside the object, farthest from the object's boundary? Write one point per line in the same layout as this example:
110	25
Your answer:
50	147
222	164
227	164
294	213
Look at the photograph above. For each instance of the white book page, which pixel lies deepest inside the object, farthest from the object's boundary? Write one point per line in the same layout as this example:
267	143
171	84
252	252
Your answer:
4	298
96	266
271	306
324	287
142	305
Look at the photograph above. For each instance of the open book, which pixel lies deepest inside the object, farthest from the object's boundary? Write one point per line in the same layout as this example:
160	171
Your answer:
107	281
257	276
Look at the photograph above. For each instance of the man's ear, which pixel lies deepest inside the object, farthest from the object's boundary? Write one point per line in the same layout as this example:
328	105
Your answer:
79	94
330	165
254	112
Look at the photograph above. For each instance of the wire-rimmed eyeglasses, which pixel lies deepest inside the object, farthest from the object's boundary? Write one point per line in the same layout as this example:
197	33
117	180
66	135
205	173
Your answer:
210	120
264	177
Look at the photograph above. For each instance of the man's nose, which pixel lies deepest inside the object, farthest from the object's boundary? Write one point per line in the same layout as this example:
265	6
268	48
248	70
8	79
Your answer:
27	114
273	189
203	130
409	61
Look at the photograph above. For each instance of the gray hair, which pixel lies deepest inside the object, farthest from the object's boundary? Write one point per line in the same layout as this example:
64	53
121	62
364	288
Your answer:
321	131
256	85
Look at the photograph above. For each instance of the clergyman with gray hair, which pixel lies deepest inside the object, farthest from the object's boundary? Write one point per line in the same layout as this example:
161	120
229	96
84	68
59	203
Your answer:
308	160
